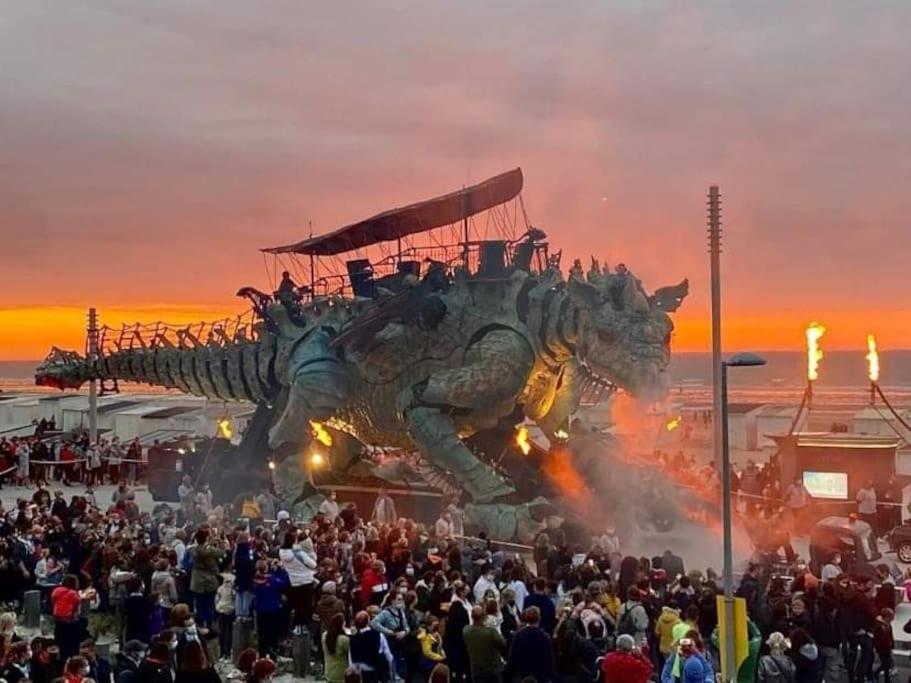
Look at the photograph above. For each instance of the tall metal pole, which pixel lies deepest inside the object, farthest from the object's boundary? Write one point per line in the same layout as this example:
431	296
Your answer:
714	222
728	564
92	353
312	267
720	424
465	228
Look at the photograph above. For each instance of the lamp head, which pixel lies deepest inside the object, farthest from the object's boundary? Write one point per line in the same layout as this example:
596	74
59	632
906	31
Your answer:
745	360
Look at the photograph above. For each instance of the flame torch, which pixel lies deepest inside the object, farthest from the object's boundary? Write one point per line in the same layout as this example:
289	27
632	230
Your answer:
814	355
320	433
522	440
872	366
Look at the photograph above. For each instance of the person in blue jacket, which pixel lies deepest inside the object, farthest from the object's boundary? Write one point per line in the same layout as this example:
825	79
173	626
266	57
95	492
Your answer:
269	581
687	664
244	569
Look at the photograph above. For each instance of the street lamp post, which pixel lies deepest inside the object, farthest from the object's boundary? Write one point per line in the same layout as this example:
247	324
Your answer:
740	360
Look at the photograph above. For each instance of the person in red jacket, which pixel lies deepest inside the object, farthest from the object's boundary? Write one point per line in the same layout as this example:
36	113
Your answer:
65	603
626	664
374	584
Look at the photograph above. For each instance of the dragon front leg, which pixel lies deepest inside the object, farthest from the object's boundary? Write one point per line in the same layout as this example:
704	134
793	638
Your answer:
317	386
480	391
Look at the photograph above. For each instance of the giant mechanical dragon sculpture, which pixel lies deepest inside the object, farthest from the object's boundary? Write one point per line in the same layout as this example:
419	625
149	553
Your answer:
423	367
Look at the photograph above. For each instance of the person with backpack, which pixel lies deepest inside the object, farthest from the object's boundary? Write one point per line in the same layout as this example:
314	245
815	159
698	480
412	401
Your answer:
776	667
633	618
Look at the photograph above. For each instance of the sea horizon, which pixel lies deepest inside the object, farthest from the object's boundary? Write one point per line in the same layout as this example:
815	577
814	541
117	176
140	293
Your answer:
842	386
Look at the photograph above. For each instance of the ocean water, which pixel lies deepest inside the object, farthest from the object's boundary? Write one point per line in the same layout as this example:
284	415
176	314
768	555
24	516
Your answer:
842	383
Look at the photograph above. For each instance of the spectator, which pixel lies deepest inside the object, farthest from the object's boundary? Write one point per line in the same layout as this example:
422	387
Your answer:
633	619
335	649
194	666
299	562
531	653
486	649
432	652
269	581
128	661
776	666
156	667
206	557
76	670
65	605
329	507
384	508
453	639
369	651
545	606
627	664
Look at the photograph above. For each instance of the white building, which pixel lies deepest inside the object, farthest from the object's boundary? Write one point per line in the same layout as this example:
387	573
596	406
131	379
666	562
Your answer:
878	422
742	433
774	420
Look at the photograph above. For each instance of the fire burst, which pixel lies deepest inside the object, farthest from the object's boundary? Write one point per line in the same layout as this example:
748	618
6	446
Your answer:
522	440
673	423
872	359
320	433
224	428
814	352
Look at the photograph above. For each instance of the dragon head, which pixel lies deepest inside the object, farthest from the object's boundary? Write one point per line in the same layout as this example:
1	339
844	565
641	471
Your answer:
62	370
625	334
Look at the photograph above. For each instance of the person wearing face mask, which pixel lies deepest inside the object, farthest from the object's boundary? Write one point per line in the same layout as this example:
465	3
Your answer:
486	582
127	662
392	622
329	507
432	652
17	668
76	670
156	667
99	669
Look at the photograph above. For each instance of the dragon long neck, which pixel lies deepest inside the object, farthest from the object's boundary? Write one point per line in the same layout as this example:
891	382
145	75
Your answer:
232	371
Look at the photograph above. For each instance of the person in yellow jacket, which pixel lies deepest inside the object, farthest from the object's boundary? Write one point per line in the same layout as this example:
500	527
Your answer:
609	601
664	629
431	641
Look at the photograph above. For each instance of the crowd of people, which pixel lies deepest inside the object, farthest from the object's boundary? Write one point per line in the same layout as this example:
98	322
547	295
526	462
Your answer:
379	598
25	460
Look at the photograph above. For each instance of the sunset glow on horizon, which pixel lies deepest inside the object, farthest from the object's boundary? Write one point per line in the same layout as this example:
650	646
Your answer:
151	149
29	333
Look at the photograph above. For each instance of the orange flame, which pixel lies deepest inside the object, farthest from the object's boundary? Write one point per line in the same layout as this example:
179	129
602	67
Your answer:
522	440
673	423
224	428
320	433
872	359
814	352
559	469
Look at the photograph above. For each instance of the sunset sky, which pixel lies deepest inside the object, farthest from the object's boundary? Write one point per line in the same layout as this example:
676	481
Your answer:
149	149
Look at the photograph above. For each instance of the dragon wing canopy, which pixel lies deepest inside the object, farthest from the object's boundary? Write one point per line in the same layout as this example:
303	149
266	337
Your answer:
414	218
